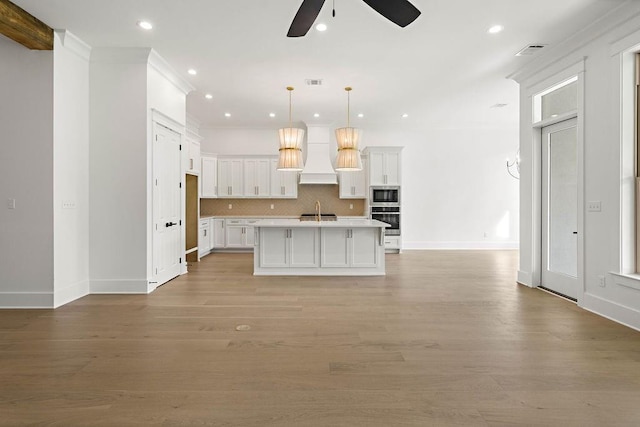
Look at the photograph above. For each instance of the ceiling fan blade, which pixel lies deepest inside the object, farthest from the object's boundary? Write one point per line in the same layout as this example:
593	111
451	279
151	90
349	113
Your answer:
400	12
305	17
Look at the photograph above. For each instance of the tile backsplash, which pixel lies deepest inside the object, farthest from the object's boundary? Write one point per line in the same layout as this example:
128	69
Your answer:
328	195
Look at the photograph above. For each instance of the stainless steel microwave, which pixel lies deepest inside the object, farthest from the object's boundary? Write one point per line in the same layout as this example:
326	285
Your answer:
385	196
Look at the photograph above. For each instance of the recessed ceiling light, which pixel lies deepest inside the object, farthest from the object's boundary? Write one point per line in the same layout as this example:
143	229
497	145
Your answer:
361	115
192	71
208	96
495	29
321	27
227	114
145	25
272	114
405	115
316	115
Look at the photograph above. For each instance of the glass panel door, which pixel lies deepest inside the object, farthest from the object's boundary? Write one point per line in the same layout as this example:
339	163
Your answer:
560	208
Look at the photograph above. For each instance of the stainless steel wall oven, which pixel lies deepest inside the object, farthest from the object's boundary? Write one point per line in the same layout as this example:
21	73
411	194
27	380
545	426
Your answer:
390	215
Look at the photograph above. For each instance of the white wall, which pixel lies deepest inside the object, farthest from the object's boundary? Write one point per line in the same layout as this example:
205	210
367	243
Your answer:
118	170
455	184
26	175
607	161
126	85
71	167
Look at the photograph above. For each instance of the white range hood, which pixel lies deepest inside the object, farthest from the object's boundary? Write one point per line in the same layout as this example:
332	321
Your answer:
318	168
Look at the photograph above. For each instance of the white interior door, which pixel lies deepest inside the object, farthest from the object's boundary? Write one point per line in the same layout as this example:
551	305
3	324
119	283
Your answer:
167	250
560	208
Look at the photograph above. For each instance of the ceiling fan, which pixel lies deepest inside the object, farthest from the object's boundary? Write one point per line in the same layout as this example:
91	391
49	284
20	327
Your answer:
400	12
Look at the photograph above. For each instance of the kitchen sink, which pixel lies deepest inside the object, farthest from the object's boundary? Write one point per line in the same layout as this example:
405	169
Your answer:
323	217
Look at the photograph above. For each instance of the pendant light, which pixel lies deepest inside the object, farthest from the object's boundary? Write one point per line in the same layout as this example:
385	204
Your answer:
349	158
290	158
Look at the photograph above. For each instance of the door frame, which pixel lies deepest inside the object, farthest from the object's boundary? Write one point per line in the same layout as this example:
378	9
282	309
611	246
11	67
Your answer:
158	118
574	72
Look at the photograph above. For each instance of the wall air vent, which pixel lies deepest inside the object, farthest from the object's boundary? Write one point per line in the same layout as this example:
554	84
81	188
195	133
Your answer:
531	49
313	82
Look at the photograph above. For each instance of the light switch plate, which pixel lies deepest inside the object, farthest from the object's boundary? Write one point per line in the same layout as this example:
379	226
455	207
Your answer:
11	203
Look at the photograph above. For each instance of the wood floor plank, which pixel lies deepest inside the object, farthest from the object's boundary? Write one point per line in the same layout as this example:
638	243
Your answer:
446	338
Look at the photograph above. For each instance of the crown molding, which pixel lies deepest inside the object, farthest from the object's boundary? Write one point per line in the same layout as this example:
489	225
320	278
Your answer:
164	68
71	42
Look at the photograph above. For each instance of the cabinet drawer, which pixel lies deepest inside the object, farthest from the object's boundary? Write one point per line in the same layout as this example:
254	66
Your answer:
392	242
235	221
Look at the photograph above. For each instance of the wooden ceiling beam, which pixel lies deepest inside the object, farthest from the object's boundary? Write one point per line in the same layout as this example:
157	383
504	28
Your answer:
24	28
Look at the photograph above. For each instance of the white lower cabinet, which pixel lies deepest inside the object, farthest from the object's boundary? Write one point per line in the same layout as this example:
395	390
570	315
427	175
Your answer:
217	233
289	247
348	247
239	233
204	237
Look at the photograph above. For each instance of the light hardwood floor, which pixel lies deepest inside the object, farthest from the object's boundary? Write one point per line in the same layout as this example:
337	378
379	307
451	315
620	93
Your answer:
446	338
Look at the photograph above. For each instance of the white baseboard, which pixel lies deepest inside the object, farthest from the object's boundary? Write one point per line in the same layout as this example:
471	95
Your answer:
70	293
120	287
611	310
460	245
26	299
525	278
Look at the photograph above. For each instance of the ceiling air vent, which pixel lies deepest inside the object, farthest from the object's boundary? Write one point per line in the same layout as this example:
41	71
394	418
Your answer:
531	49
314	82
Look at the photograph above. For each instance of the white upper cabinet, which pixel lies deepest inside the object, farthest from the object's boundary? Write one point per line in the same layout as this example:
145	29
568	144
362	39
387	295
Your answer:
257	174
230	177
209	177
192	148
284	184
353	185
384	165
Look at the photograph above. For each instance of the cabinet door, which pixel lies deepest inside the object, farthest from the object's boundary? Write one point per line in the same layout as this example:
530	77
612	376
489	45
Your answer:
209	177
392	168
230	177
256	177
249	236
218	233
303	245
204	237
377	168
194	156
346	186
284	184
274	244
234	235
364	247
334	247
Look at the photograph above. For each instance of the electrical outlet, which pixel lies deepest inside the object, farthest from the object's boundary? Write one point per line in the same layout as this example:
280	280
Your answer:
595	206
351	206
272	206
230	206
602	281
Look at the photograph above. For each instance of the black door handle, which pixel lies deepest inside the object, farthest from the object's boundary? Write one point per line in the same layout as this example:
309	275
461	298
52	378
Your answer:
575	232
170	224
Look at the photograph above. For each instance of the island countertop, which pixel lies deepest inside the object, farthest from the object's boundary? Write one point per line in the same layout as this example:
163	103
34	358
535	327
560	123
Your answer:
340	223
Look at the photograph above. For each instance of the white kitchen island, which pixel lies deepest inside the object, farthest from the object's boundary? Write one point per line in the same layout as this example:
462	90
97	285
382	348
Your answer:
346	247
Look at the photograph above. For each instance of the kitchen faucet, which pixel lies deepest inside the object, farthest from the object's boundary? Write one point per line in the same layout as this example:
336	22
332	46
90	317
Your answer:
318	213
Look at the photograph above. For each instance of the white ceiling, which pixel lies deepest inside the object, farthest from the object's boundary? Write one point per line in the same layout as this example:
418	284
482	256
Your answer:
444	70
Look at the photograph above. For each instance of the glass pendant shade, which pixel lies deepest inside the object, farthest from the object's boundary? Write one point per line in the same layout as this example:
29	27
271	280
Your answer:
290	157
349	158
